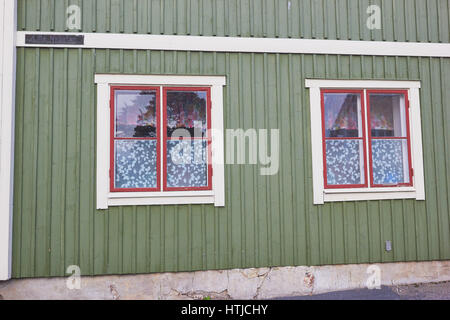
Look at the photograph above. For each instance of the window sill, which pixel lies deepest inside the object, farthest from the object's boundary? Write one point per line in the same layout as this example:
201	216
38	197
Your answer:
160	198
370	194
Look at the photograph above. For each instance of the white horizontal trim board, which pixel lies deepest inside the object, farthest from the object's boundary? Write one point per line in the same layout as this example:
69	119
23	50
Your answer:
245	44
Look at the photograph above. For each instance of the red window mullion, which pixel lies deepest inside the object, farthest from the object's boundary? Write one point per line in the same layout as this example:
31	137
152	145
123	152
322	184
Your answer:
341	138
389	138
126	138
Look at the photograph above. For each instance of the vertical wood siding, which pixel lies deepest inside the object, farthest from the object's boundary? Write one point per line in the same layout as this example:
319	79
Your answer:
267	220
402	20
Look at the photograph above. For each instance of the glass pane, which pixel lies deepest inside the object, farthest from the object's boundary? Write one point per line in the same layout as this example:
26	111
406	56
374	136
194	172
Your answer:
186	110
342	115
135	113
345	162
186	163
135	164
390	161
387	115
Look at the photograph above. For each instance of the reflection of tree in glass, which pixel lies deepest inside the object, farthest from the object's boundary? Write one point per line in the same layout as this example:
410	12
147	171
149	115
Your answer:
184	109
146	119
137	116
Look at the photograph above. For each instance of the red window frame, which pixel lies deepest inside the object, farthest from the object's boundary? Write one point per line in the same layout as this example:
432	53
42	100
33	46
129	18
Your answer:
113	138
407	138
159	138
324	138
208	138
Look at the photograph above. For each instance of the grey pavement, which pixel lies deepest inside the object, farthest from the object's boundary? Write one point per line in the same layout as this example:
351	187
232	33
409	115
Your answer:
426	291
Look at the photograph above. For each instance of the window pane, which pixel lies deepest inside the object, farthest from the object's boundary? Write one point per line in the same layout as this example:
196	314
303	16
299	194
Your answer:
186	110
345	164
387	115
135	163
135	113
186	163
390	161
342	115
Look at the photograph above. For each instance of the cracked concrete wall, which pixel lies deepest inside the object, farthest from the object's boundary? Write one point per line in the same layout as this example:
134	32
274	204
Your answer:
255	283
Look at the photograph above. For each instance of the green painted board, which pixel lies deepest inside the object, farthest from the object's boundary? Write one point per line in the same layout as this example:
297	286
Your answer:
267	220
401	20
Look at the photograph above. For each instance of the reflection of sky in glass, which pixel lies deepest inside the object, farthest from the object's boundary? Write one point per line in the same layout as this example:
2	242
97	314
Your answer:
135	109
186	110
341	112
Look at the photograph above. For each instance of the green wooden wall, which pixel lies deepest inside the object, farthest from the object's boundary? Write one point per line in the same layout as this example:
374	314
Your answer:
267	220
402	20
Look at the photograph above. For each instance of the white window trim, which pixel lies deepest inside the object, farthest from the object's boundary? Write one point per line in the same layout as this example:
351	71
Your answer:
320	195
106	198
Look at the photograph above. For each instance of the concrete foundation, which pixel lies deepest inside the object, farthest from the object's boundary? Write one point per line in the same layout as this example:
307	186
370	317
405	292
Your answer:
258	283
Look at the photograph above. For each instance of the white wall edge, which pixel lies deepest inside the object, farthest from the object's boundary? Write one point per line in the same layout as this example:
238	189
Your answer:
245	44
7	107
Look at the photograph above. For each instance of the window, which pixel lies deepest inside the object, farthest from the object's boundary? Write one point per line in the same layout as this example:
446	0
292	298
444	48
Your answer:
344	139
363	144
165	140
187	111
390	156
135	139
